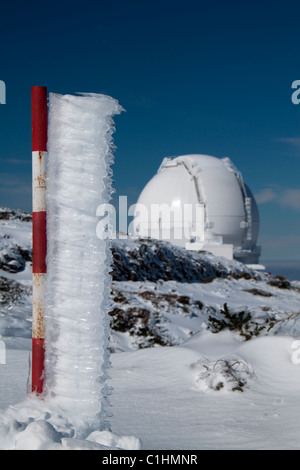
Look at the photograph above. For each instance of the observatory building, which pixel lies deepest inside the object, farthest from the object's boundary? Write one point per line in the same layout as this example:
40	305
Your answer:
200	202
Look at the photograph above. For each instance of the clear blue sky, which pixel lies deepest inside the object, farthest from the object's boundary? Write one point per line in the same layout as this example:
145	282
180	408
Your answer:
193	76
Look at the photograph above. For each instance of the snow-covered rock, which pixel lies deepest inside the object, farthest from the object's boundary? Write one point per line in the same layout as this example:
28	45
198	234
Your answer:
162	294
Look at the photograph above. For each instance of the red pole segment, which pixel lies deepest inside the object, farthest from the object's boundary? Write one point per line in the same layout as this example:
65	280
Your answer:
39	118
39	240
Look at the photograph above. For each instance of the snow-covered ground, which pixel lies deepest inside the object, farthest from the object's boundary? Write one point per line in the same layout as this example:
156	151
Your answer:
164	397
176	382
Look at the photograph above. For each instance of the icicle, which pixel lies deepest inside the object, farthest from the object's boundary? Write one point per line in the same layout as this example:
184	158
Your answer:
78	263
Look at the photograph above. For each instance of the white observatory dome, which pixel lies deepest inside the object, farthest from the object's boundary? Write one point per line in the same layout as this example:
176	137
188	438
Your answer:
202	203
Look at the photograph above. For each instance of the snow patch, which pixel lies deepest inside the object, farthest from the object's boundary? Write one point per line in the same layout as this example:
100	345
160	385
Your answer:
37	424
226	375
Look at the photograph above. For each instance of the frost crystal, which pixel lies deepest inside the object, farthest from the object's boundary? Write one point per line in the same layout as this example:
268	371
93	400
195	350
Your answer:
78	262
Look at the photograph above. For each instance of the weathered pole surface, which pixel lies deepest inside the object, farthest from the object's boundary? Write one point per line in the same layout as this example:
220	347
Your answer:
39	239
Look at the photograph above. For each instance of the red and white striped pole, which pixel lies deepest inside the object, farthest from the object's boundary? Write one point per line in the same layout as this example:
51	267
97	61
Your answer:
39	240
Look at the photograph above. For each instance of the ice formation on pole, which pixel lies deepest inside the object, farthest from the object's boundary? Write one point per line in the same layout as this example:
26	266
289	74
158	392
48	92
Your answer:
78	262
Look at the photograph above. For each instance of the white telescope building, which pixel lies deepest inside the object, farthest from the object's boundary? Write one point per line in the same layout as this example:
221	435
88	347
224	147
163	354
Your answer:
202	203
